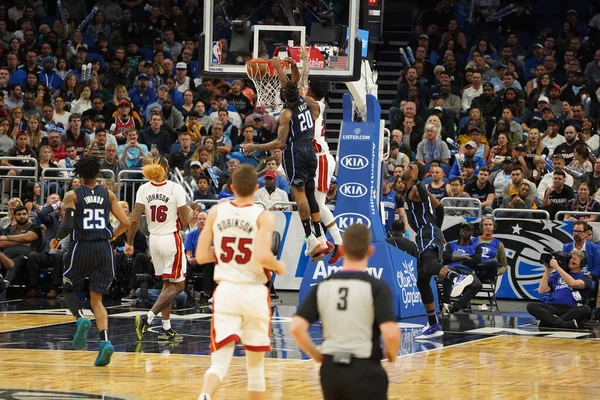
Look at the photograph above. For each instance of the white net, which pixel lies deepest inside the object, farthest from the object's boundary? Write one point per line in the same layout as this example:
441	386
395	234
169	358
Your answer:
267	84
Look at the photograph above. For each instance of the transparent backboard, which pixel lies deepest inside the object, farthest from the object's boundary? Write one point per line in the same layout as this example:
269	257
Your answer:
236	31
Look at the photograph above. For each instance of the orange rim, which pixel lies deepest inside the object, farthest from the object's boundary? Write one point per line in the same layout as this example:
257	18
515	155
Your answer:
271	70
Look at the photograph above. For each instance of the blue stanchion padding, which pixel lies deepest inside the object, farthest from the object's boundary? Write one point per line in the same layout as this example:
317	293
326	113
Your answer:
358	198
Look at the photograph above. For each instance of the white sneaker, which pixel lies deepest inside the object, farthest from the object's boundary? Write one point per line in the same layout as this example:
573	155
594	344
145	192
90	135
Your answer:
313	245
446	309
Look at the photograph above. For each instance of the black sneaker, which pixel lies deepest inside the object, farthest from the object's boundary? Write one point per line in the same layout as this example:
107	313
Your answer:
141	326
169	335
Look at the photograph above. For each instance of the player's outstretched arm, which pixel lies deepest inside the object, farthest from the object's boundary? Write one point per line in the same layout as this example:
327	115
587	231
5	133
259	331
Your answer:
68	224
205	251
282	135
303	79
118	212
276	63
264	242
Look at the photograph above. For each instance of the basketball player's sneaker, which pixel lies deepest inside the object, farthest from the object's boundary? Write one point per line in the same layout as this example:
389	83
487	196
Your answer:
313	245
430	332
141	326
336	256
169	335
80	339
105	352
324	253
460	284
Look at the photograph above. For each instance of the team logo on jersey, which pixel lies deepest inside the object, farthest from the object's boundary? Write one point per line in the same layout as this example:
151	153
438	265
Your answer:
345	220
353	190
354	162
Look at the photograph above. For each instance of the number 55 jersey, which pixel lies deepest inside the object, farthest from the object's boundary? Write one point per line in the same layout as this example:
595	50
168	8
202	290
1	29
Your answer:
234	232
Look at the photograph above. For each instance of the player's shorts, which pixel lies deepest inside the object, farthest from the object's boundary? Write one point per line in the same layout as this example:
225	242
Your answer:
93	259
325	170
241	312
300	164
168	257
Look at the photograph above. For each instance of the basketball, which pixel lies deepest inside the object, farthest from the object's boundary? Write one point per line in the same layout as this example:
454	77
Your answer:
257	68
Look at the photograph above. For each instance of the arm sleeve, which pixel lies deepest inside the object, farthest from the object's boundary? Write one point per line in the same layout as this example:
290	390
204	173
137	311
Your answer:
68	224
309	309
439	216
383	303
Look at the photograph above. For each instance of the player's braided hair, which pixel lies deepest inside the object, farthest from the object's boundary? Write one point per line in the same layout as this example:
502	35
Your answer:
88	167
157	170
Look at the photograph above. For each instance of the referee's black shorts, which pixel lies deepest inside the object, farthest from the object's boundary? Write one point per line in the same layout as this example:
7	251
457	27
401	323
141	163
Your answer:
360	380
300	164
93	259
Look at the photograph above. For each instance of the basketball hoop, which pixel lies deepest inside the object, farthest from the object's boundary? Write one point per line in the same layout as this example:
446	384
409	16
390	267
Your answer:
267	83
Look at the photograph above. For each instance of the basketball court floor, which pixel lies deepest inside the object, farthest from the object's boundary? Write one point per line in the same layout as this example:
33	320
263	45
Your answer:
483	355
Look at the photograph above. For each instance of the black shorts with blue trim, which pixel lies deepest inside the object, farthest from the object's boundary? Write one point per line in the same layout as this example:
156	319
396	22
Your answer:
300	164
93	259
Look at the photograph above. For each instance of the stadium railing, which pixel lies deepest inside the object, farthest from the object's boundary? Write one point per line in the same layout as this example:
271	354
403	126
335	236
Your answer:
476	207
563	214
20	179
127	186
527	213
65	179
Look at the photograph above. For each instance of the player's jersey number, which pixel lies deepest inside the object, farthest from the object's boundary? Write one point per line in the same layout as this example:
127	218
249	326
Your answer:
237	249
159	213
306	120
93	219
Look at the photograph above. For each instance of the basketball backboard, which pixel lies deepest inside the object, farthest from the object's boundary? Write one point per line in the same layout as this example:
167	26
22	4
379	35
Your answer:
236	31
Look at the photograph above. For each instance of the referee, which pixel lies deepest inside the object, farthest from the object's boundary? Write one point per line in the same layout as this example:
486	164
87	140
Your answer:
355	310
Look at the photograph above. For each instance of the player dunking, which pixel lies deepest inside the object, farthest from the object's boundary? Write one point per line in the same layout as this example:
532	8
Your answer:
425	216
295	133
87	215
325	161
166	211
238	238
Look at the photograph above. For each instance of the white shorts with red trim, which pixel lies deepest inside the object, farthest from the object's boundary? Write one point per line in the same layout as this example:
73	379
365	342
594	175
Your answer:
168	257
325	170
241	312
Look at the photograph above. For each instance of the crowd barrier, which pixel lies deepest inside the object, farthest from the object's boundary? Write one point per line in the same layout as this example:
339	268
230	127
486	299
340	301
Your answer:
16	183
476	207
61	182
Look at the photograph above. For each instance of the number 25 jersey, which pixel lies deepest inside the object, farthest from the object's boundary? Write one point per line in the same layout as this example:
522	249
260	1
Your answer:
161	200
92	214
234	233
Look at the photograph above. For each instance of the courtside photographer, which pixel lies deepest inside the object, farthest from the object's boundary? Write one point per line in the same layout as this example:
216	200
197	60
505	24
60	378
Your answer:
569	290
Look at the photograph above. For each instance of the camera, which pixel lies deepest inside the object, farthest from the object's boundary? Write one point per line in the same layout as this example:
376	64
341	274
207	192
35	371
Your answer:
561	257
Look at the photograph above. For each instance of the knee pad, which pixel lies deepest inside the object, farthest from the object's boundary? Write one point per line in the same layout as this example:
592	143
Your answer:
220	360
67	285
312	201
255	368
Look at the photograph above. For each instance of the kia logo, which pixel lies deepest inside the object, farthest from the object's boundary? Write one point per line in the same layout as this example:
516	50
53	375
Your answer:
344	220
353	190
354	161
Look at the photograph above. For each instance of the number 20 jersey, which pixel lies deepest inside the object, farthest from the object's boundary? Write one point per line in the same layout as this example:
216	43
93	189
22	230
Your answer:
161	200
234	233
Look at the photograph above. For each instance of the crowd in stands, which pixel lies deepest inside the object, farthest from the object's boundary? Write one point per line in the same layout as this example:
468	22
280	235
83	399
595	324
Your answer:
124	87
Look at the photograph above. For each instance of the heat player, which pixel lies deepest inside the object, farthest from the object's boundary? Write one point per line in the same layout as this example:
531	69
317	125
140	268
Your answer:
237	237
166	211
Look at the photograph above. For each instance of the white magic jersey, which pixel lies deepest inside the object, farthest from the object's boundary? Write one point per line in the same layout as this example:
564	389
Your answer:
234	232
319	141
161	199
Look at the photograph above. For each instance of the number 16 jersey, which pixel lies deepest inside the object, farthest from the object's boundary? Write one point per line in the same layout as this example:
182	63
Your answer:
161	200
234	233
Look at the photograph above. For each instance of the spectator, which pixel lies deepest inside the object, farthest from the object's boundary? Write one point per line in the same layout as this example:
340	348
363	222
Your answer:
564	309
225	175
142	95
551	137
261	133
558	195
514	131
567	149
75	135
18	241
203	192
181	152
156	138
132	152
593	178
519	201
270	194
222	143
281	181
501	150
432	147
472	91
111	162
583	203
476	135
483	190
438	187
191	242
457	190
469	155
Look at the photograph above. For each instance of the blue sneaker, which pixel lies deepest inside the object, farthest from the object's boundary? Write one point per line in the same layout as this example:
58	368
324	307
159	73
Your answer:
80	339
430	332
460	284
105	352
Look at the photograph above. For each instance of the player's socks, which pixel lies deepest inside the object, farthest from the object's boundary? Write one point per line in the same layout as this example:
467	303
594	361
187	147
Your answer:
104	335
73	304
150	317
431	318
166	324
452	276
306	226
334	231
317	226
